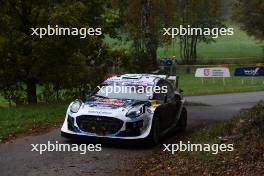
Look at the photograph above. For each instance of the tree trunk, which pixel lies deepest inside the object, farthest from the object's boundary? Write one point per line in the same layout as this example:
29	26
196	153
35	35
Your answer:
181	55
188	49
195	49
193	53
31	91
148	38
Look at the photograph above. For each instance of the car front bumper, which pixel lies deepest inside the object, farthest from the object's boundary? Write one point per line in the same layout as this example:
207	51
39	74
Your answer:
131	129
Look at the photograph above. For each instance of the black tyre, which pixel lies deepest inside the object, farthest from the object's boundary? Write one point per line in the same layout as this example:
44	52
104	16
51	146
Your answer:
182	123
154	135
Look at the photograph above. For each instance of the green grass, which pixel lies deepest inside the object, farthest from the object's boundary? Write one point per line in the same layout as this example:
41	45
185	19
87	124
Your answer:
236	47
20	119
3	102
210	134
194	86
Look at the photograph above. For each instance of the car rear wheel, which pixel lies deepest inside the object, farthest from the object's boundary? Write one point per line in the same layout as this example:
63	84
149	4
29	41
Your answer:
182	123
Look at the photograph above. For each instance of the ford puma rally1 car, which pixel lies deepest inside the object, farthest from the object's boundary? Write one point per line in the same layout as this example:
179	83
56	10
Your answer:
130	106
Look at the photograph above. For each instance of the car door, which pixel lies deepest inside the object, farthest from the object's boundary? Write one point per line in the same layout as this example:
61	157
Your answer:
164	108
170	104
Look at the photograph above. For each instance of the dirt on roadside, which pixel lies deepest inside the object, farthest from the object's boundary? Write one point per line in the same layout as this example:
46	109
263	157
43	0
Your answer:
245	132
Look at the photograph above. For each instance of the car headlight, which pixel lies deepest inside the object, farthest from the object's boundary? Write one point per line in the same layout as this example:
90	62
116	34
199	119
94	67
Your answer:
135	112
75	106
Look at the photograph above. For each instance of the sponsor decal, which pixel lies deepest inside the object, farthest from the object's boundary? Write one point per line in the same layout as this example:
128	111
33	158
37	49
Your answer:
99	112
106	103
127	82
110	101
249	71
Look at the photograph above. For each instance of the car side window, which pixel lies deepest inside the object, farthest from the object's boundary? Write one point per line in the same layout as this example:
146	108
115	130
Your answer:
170	93
159	95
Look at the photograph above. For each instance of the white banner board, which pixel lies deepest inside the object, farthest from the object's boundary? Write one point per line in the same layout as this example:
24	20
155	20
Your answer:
212	72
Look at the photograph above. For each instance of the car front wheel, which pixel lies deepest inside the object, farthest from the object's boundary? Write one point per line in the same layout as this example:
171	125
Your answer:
154	135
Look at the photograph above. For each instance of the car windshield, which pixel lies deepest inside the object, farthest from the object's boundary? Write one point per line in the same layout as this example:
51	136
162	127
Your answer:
142	93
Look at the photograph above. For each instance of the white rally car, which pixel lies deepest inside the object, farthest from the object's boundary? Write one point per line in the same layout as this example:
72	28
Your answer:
127	114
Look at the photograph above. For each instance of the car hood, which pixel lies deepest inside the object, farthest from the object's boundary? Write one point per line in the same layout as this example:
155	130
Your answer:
108	106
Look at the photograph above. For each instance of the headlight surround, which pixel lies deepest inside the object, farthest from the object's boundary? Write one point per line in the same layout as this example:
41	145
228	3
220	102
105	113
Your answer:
75	106
135	112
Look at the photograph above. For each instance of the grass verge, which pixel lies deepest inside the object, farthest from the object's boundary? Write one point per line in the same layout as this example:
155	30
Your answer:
228	49
239	45
196	86
15	120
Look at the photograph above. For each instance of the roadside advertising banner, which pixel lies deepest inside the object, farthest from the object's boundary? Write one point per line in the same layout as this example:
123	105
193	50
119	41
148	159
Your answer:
212	72
249	71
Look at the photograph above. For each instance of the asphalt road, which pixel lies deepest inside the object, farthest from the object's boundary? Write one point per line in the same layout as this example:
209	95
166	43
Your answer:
229	98
116	158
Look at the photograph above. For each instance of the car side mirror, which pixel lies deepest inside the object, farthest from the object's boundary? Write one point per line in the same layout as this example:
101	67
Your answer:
83	96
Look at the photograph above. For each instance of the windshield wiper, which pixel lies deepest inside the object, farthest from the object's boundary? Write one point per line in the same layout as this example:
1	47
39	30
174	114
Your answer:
100	96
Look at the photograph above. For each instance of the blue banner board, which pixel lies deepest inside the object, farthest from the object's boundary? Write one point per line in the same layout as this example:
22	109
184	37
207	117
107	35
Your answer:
249	71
